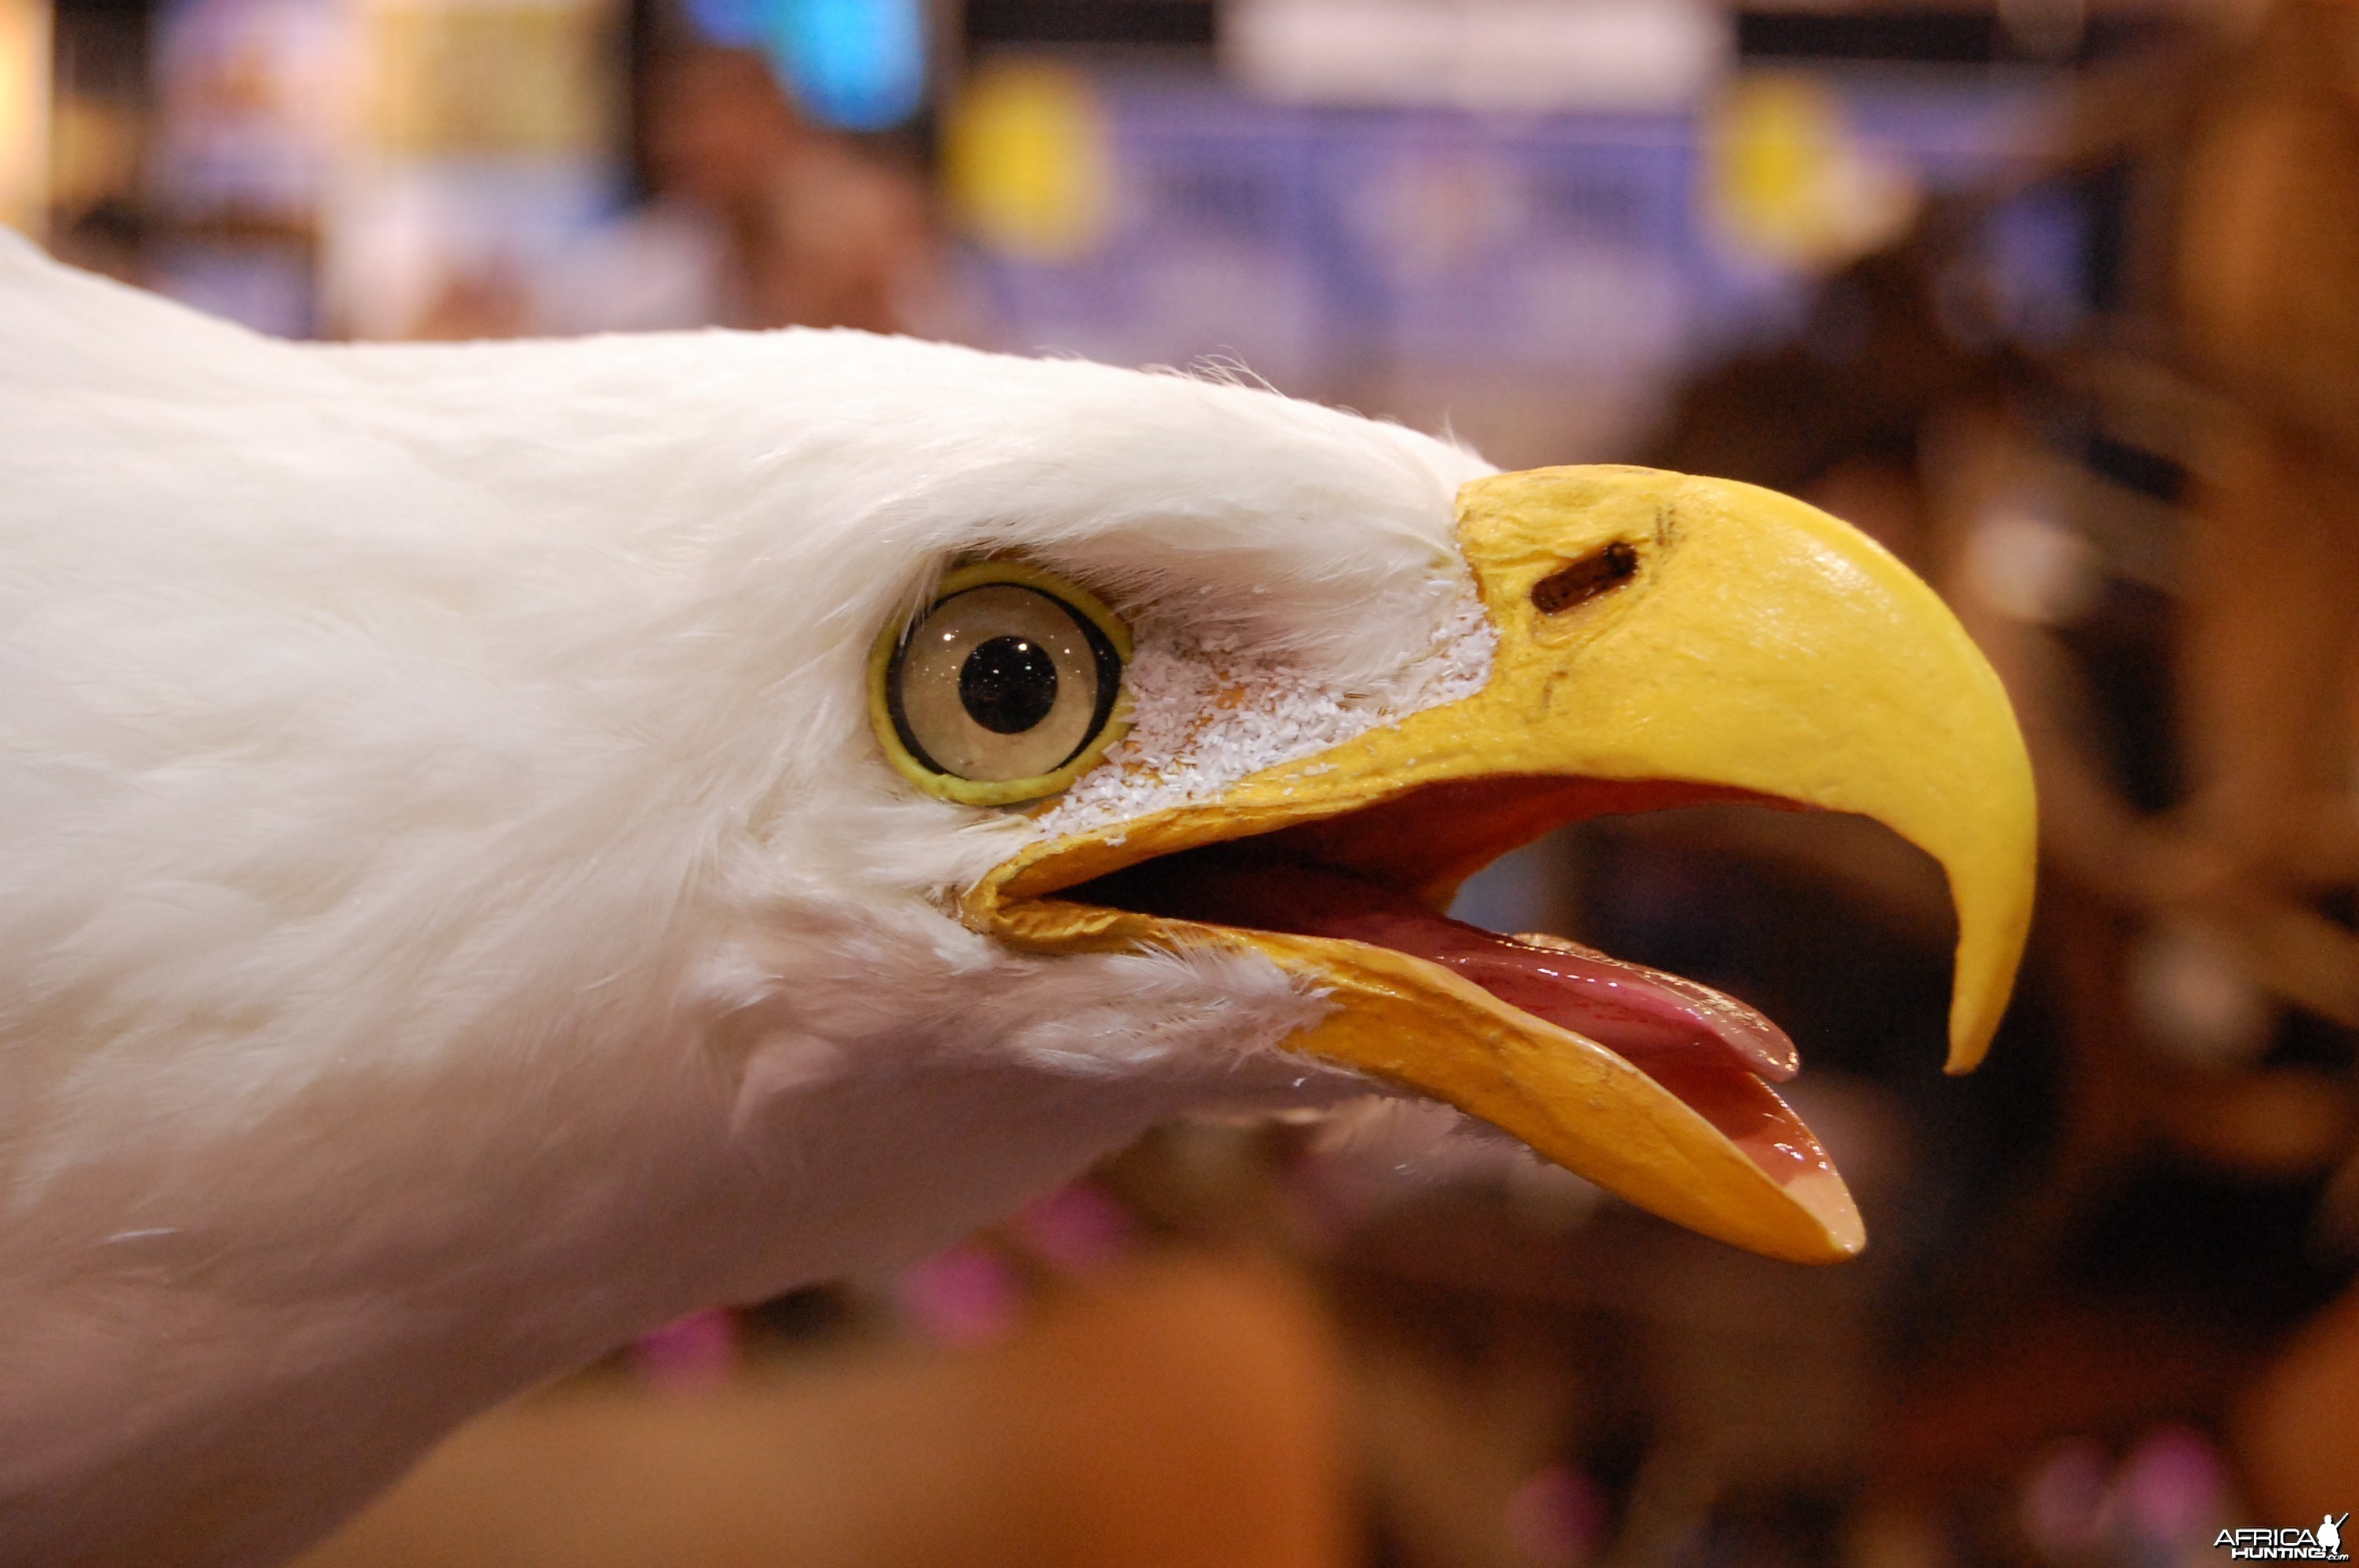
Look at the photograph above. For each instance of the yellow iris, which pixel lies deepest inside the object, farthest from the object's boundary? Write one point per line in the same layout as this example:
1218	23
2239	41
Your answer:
1006	689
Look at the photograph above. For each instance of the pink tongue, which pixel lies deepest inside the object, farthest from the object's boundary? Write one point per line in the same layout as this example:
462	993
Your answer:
1710	1050
1642	1015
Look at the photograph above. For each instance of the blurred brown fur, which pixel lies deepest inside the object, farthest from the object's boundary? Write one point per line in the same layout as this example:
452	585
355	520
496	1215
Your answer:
815	232
1175	1413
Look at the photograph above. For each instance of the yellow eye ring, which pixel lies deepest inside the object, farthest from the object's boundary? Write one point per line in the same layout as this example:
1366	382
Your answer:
1106	636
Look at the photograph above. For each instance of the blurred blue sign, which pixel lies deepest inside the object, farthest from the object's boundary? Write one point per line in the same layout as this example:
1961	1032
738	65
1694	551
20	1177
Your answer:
856	65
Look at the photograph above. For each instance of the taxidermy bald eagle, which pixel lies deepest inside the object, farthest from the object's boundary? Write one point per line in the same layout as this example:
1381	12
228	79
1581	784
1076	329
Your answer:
503	845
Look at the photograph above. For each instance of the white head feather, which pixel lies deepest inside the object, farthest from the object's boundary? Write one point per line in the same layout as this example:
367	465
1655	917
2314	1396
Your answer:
454	914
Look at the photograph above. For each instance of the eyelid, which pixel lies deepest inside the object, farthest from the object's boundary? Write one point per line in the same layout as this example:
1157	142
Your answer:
884	656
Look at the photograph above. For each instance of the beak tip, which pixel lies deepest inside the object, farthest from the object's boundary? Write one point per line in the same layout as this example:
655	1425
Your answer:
1824	1196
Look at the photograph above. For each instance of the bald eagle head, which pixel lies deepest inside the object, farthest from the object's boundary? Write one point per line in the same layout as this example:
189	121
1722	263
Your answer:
502	845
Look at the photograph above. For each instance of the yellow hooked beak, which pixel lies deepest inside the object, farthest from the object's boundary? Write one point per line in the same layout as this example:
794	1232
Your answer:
1662	639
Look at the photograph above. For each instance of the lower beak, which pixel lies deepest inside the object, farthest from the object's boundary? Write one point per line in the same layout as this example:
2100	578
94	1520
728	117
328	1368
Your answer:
1662	639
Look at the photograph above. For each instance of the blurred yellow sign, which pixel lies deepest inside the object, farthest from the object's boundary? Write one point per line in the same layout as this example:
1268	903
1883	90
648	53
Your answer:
1027	162
1787	180
24	113
466	78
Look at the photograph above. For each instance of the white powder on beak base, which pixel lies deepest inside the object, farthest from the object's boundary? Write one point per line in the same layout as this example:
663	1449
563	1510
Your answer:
1204	716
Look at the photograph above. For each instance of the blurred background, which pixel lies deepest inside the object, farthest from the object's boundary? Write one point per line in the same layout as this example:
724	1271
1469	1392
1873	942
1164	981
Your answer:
2053	297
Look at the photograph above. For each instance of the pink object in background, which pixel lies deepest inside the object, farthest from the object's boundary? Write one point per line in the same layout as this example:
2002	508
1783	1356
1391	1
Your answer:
690	1354
1557	1517
965	1296
2172	1488
1077	1229
2065	1499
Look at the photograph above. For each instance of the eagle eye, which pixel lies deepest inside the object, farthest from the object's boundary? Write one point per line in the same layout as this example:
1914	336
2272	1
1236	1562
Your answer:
1006	690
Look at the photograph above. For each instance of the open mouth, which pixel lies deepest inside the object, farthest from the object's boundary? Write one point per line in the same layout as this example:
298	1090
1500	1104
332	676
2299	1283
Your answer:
1379	878
1662	640
1717	1055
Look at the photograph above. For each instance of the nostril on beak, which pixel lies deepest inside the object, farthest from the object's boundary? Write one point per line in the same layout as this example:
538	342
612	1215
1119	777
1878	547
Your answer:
1585	579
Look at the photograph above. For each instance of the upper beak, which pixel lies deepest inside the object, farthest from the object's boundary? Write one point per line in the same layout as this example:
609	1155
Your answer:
1661	638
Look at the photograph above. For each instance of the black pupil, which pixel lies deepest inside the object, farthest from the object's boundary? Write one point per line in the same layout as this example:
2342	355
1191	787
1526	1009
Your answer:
1008	684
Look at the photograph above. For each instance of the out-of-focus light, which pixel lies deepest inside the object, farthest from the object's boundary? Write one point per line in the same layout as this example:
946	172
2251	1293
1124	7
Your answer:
858	65
2066	1504
2199	1003
2029	566
966	1296
24	112
1789	183
1530	55
464	79
1557	1517
2173	1490
1026	162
